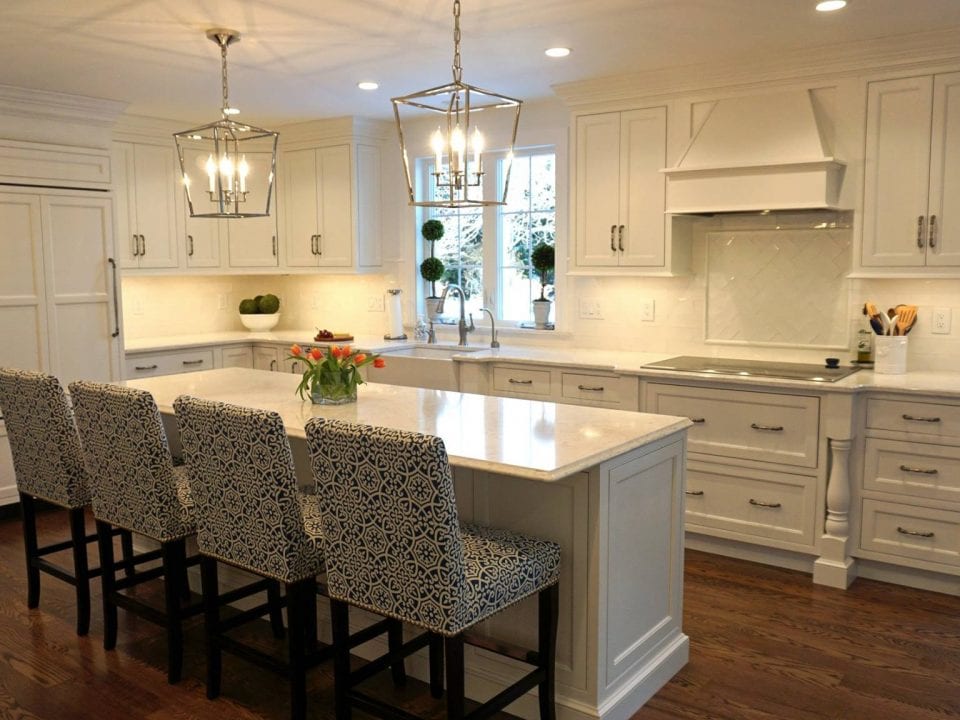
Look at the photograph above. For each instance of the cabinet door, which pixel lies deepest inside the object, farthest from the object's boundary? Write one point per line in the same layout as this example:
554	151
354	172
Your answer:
335	242
301	198
241	357
156	181
252	242
897	171
369	207
77	238
265	358
944	234
597	188
202	248
643	154
23	322
127	240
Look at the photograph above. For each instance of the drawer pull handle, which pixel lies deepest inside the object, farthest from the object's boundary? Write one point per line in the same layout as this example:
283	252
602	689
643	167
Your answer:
922	471
145	367
613	232
514	381
273	365
693	492
698	421
918	418
760	503
767	428
915	533
193	362
599	388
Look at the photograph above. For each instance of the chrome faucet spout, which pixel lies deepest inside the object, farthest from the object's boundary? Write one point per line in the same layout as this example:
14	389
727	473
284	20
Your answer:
494	343
462	326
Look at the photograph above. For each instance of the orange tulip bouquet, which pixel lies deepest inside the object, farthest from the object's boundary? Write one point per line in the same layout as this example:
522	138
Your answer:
332	379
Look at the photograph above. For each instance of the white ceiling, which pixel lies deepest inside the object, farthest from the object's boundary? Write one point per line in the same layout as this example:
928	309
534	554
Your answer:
300	60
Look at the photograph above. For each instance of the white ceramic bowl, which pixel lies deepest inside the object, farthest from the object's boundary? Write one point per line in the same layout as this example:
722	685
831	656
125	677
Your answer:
260	323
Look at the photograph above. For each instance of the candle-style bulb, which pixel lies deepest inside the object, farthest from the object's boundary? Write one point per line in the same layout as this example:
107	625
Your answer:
211	168
437	143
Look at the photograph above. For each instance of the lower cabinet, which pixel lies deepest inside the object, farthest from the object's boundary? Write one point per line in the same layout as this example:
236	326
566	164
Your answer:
567	385
265	357
168	363
241	357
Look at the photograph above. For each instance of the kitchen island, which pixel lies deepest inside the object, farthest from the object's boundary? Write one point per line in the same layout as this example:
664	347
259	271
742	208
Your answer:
605	484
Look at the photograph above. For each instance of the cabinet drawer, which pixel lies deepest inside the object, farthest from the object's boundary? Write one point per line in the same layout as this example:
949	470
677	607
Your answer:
752	502
933	419
521	381
914	469
169	363
607	390
905	531
742	424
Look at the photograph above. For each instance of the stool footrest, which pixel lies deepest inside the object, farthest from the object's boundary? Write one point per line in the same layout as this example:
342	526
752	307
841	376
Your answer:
384	661
499	647
499	701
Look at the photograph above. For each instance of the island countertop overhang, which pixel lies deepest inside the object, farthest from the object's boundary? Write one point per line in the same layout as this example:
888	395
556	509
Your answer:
524	438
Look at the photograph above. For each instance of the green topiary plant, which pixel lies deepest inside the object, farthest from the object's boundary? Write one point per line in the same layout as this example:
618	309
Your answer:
432	230
542	258
431	270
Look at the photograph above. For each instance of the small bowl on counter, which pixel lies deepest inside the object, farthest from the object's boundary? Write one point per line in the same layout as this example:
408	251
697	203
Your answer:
257	322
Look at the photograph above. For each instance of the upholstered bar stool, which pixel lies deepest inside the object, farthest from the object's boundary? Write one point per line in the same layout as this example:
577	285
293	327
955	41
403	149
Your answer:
395	546
136	487
48	465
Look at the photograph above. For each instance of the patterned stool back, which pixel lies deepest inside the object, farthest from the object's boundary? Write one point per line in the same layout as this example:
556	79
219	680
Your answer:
244	487
390	524
47	459
127	456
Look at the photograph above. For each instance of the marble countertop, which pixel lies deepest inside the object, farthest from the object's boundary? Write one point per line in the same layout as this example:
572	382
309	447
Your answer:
372	343
523	438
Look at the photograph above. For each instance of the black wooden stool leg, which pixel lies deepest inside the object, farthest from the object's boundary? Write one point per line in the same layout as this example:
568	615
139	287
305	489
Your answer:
172	554
211	623
29	509
394	642
310	614
340	626
81	569
126	549
108	581
297	647
184	575
453	657
436	665
549	601
276	609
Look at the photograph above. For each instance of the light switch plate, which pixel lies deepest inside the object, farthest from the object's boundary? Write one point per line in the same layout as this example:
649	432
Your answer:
646	309
375	303
590	308
941	321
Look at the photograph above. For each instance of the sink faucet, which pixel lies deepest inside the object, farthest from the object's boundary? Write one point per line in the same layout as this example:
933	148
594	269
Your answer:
462	326
494	343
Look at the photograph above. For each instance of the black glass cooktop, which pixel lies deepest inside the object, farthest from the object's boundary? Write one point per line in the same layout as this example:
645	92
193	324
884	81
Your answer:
754	368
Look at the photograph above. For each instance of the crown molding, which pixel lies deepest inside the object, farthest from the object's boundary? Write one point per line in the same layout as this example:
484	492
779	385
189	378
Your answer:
344	129
142	128
902	51
29	103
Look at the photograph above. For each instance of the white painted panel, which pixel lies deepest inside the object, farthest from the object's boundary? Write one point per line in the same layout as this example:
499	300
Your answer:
912	469
945	172
335	244
21	269
934	420
237	357
155	185
253	241
905	531
202	234
300	202
643	153
265	358
8	483
83	342
369	207
597	189
53	165
23	330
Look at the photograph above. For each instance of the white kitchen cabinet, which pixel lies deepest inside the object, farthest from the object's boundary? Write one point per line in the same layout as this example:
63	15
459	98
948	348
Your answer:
150	364
331	206
266	357
567	385
241	357
620	191
147	183
911	211
252	242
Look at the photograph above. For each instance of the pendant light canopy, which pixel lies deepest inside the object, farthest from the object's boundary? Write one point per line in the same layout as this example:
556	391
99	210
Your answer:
227	167
456	144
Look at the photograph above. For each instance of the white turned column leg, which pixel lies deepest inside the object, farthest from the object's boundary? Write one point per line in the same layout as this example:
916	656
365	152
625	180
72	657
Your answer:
835	567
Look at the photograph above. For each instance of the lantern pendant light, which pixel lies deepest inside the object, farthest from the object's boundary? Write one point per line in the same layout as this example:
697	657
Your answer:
457	144
227	167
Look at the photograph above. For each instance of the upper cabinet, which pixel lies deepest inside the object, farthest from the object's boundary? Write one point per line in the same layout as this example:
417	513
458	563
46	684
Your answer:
620	192
147	227
911	206
331	206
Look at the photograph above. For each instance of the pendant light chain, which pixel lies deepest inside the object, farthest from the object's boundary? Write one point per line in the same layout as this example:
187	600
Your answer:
223	75
457	70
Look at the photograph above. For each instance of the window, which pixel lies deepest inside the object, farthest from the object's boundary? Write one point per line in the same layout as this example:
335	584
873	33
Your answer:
487	250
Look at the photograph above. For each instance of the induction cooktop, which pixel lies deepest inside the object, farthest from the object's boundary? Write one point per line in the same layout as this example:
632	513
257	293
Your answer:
754	368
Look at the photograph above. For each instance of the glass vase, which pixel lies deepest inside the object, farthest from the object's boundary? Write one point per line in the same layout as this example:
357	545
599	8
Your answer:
333	393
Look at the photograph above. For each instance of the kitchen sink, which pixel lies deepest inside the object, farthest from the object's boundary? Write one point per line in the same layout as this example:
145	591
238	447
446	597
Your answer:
433	352
426	366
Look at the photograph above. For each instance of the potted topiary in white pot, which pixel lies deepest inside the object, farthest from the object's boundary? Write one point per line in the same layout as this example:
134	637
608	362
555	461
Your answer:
542	259
431	269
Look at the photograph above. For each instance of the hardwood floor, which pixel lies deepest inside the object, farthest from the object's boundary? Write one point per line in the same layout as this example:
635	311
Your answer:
766	644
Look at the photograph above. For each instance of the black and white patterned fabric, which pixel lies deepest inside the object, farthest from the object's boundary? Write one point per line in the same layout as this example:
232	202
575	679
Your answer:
250	512
47	459
135	485
394	542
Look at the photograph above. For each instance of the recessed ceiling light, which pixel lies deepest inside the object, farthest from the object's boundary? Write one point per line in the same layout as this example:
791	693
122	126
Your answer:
831	5
367	85
557	52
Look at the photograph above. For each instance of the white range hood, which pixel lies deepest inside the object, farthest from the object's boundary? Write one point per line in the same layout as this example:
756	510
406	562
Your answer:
756	153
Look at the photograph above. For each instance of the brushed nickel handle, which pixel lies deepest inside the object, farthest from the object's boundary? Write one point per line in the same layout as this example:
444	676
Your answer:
613	231
514	381
920	418
920	231
136	245
320	244
915	533
698	420
932	232
273	365
295	367
144	367
921	471
143	246
313	244
116	302
767	428
693	492
760	503
189	245
620	238
193	362
274	245
587	388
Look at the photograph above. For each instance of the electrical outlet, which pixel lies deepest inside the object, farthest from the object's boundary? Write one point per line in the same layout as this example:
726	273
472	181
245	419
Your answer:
137	306
941	321
375	303
314	301
222	301
646	309
590	308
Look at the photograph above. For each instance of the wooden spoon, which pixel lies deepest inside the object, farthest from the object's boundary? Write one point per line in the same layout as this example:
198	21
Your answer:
906	319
